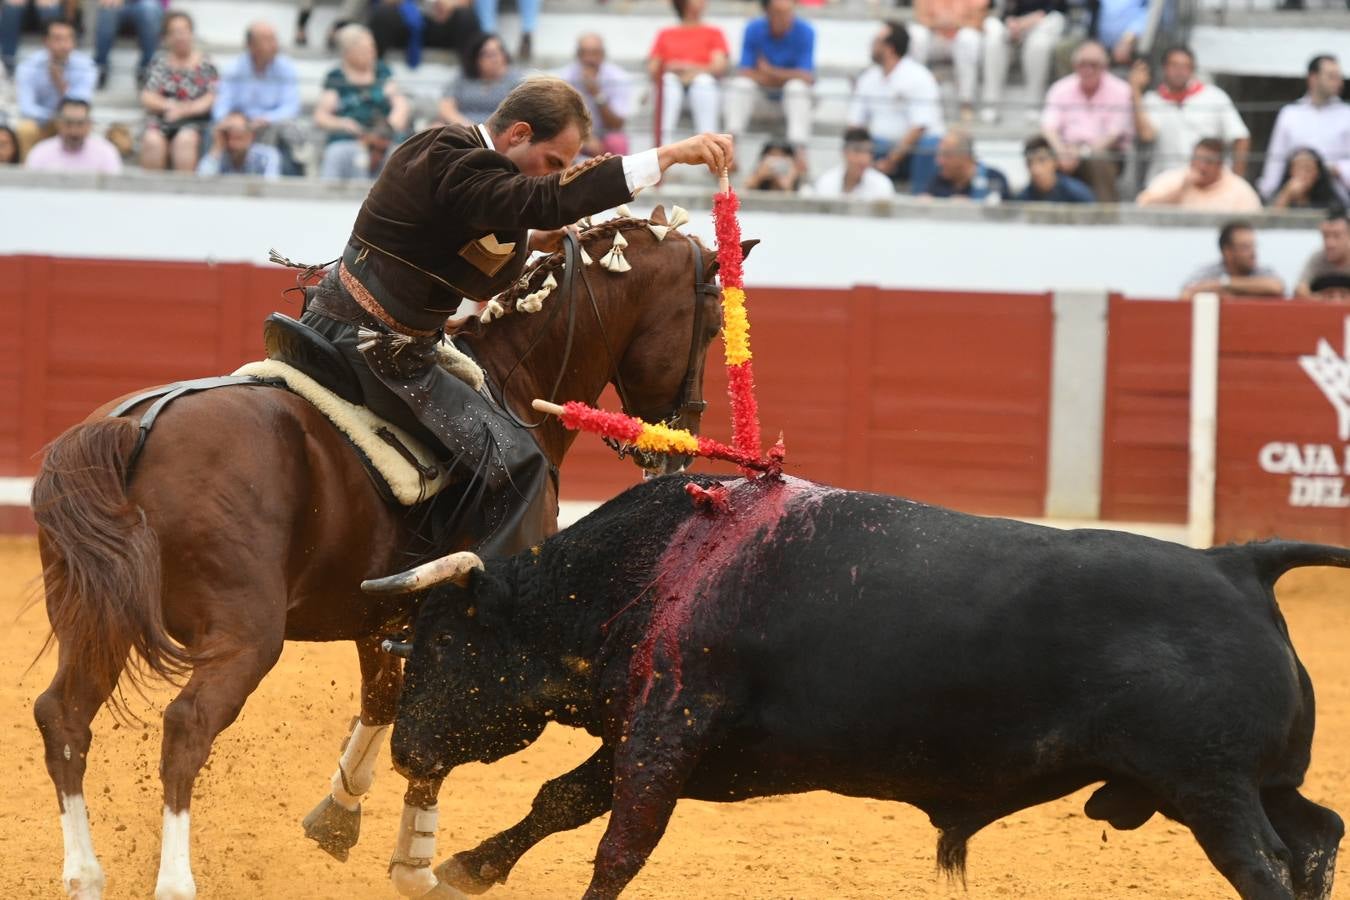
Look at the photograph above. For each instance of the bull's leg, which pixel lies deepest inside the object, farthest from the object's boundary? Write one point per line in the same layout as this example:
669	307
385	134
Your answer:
415	849
211	700
336	822
64	712
1312	834
1233	830
568	801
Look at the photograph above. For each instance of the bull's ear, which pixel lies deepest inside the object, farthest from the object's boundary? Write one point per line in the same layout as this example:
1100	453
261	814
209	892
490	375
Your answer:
746	247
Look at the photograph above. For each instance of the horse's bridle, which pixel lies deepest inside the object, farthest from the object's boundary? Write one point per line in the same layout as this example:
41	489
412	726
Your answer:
690	400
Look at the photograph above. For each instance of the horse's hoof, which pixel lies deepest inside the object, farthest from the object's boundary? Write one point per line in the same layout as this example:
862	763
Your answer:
456	871
92	892
334	827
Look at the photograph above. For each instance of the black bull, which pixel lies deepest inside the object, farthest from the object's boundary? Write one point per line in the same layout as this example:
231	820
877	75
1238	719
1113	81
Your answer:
788	637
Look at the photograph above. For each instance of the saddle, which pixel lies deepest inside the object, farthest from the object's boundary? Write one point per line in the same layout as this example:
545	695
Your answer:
303	348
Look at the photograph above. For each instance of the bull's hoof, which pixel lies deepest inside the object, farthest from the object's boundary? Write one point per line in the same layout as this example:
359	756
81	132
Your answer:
334	827
471	878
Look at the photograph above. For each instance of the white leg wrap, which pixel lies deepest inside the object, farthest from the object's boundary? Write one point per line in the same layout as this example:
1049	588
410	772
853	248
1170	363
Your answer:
356	769
81	874
410	868
175	862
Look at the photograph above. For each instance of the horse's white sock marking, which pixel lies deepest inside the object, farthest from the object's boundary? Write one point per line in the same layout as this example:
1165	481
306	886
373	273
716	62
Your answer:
81	874
175	863
356	769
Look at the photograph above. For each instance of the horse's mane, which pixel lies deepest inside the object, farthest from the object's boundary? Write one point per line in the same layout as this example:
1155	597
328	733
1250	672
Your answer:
534	274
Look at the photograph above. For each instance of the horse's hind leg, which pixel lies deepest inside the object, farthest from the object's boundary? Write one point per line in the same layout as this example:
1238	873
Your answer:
336	822
1312	834
63	713
230	669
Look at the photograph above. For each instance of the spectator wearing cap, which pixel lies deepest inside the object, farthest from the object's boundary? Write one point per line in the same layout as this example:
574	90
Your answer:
856	178
1087	120
780	168
688	59
1034	25
1048	184
1181	111
235	152
1333	287
74	148
1236	272
608	92
897	102
950	29
1205	185
1333	258
264	86
145	17
48	76
1320	120
960	174
777	62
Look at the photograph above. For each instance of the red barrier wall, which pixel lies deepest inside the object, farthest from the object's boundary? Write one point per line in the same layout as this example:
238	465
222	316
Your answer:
940	396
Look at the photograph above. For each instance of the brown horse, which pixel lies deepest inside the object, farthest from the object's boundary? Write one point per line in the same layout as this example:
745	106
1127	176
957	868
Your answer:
249	521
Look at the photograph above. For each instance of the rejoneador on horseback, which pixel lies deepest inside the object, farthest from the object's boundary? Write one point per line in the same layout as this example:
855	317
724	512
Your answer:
245	518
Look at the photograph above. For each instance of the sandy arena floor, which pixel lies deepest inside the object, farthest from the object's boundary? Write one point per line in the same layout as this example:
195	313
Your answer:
273	764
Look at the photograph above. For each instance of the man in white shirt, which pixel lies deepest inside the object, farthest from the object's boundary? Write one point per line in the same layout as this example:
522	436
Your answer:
897	101
1319	120
1182	111
856	178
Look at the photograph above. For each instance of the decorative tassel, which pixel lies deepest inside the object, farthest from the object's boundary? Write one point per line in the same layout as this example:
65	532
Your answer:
584	223
493	310
658	230
623	211
585	257
678	217
532	303
614	260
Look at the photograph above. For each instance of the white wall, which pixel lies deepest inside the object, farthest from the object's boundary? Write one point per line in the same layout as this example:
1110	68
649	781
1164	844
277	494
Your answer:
799	249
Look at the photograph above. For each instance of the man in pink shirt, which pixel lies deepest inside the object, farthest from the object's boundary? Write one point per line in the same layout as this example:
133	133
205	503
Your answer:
1087	119
74	149
1206	184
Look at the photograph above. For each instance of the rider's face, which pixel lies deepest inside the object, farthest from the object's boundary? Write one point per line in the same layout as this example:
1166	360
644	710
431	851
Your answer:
542	157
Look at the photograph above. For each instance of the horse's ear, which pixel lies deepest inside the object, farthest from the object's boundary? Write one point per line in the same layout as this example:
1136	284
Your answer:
746	247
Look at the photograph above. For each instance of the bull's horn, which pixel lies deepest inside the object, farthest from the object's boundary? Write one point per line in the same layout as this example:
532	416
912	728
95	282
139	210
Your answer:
455	568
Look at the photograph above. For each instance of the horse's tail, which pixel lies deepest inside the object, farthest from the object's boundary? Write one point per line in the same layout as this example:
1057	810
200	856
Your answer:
102	573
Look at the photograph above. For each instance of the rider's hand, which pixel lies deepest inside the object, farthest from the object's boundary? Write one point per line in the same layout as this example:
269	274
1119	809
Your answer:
549	241
716	151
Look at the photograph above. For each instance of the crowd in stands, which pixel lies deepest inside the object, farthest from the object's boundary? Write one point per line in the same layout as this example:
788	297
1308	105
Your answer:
245	116
1325	275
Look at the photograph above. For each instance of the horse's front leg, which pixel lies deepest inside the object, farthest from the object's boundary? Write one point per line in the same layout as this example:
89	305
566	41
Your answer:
410	869
336	822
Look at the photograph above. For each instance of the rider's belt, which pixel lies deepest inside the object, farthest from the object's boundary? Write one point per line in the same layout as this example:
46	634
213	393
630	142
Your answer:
400	299
358	292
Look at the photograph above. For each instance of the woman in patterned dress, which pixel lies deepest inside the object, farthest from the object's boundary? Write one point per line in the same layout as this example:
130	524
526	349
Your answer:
180	88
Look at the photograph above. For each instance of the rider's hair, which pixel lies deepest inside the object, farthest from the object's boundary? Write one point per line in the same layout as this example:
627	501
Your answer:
546	104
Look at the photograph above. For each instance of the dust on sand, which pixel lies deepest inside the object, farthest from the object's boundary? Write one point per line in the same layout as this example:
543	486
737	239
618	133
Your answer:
273	764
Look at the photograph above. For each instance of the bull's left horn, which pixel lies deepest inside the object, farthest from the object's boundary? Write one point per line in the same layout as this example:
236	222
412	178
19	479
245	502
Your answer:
455	568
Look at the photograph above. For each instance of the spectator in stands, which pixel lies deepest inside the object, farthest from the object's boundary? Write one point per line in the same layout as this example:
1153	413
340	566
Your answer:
1118	24
145	17
688	59
856	177
1183	110
897	101
1205	185
1307	184
74	148
12	15
1087	121
1037	26
1320	120
1236	272
45	78
361	108
449	24
485	79
608	92
950	29
265	86
1048	184
9	146
234	151
960	175
780	168
529	20
1333	287
180	89
778	61
1333	258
